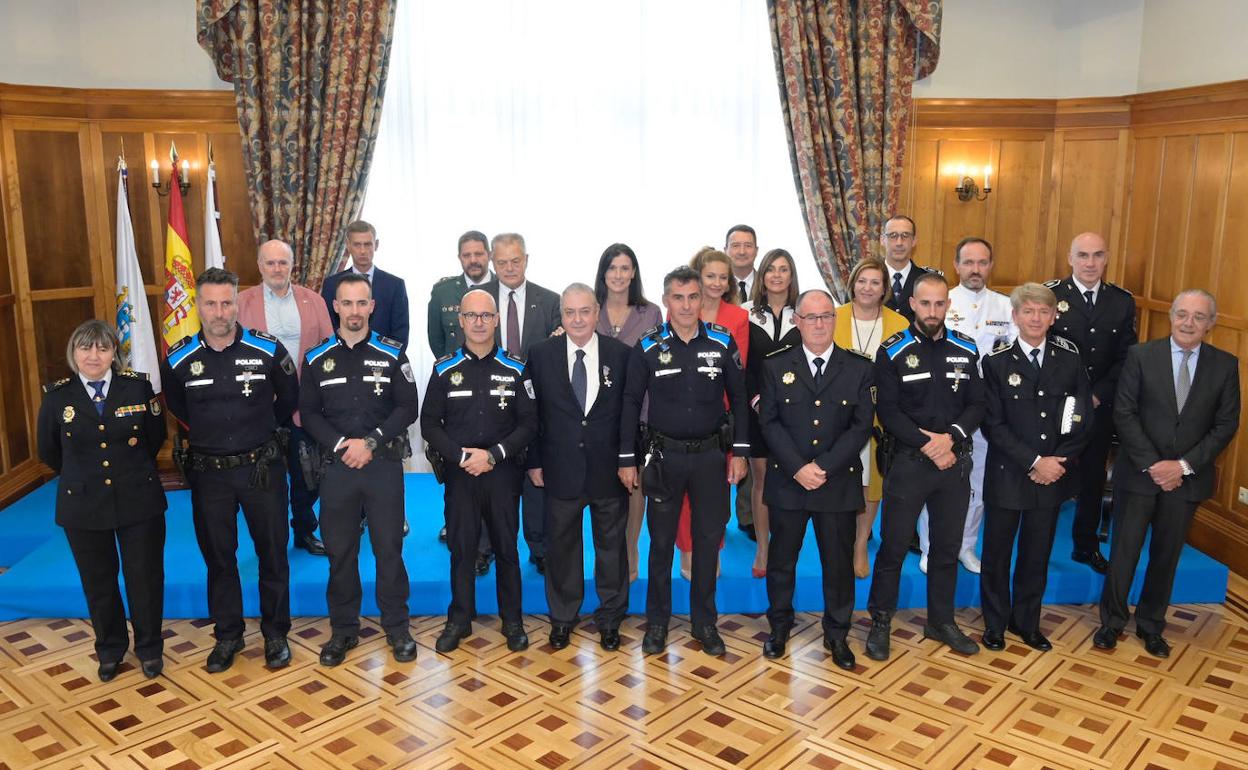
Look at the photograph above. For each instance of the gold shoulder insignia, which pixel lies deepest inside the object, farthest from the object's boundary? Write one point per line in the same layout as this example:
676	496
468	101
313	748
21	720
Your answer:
132	374
51	386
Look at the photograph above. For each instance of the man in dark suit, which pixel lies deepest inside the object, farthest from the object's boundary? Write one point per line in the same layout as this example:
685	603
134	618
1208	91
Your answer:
390	316
579	380
1037	420
816	413
1189	391
527	314
897	240
1099	318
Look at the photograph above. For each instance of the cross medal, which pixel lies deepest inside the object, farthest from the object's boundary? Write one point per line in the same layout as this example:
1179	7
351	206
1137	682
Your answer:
377	382
957	377
247	377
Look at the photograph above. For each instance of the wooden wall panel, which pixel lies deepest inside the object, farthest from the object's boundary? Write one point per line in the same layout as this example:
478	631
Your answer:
1145	192
1085	190
16	439
1206	212
1233	254
54	214
1017	233
238	240
1170	233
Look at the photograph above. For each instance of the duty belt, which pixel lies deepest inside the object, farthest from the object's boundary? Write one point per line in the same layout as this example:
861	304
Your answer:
960	448
687	446
202	462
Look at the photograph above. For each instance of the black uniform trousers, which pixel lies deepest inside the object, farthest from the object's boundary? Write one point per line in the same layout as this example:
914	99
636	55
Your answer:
1035	530
215	499
1169	516
302	496
1092	460
834	534
912	482
142	547
346	493
701	475
533	521
492	499
565	574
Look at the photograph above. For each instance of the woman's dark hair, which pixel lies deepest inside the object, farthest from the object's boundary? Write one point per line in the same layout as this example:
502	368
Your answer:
759	294
635	296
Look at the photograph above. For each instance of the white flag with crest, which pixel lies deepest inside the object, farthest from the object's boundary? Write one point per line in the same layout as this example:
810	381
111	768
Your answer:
134	319
212	236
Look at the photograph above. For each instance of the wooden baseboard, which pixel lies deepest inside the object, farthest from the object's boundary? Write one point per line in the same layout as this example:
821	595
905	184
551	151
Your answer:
22	480
1217	537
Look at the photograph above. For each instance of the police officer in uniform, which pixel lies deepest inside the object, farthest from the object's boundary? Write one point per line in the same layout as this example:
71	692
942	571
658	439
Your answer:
357	399
1037	420
232	388
1099	318
930	401
479	415
816	412
687	367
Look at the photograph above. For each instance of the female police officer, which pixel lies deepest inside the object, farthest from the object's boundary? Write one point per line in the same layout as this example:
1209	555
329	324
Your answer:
101	429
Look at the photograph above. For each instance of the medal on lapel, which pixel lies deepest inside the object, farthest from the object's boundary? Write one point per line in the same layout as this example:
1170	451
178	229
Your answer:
788	378
1014	379
67	416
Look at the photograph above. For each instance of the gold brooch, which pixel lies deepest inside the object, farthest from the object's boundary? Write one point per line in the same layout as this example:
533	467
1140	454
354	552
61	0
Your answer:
133	441
665	357
457	378
1063	306
328	366
912	361
787	378
1014	379
68	414
197	368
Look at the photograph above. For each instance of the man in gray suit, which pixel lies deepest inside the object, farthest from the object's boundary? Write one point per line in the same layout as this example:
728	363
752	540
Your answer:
527	314
1176	409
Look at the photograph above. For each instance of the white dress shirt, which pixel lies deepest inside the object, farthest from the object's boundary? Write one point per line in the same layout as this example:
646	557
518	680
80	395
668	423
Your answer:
749	286
108	381
1022	343
1096	290
811	356
504	294
591	368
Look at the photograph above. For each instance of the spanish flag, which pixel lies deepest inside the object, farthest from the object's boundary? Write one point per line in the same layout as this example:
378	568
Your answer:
181	318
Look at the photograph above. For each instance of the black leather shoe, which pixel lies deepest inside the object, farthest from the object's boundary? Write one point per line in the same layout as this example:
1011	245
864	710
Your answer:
442	535
655	640
310	543
877	637
1036	641
276	652
152	668
1105	638
517	639
108	671
403	646
335	650
609	639
950	634
540	563
773	648
712	644
448	640
560	634
1154	645
1093	559
222	655
993	640
482	567
842	656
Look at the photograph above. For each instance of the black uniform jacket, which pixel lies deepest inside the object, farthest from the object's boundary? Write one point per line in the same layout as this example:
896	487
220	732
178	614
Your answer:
488	403
827	424
1024	421
357	392
1151	427
578	452
1103	333
687	383
107	463
233	400
928	384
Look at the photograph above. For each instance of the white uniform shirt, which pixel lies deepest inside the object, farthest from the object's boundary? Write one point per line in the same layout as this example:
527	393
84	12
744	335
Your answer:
985	316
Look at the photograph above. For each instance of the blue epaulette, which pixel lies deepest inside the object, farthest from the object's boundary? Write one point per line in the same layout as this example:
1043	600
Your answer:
448	361
260	341
179	352
392	348
509	361
717	333
898	342
961	340
655	336
320	349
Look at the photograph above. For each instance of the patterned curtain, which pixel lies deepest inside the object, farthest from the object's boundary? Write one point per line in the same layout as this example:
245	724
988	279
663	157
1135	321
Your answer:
846	69
308	79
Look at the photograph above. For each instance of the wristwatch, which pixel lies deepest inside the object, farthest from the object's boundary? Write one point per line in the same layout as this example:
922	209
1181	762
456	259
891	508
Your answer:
371	443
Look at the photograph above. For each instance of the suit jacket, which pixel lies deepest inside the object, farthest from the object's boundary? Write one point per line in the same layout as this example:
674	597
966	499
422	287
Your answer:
827	424
1151	428
107	463
578	453
541	317
390	315
314	323
901	302
1023	420
1103	333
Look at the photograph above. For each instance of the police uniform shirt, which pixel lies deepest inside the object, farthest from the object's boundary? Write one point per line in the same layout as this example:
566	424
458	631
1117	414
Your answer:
926	383
1101	333
985	316
686	383
357	392
485	402
233	400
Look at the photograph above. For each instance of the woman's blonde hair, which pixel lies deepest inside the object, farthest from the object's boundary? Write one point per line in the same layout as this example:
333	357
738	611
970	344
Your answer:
709	254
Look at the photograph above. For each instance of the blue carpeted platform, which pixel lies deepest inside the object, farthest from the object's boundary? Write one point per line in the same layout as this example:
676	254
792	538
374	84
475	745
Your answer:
42	580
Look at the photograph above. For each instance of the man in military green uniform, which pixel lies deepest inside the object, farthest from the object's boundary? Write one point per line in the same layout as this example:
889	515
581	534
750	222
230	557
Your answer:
474	255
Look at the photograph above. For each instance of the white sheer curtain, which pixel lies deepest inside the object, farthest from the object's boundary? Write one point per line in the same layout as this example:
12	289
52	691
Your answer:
579	124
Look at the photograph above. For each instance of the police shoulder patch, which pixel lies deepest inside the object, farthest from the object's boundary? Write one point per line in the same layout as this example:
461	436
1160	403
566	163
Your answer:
319	349
1053	284
390	341
1002	349
263	335
1064	344
965	340
513	362
897	337
57	385
448	361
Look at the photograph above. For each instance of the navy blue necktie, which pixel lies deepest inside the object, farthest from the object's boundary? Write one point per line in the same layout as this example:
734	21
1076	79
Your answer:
897	287
580	380
98	398
1035	358
818	362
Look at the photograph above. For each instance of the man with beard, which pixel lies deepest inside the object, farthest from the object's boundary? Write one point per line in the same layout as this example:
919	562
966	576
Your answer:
474	257
232	388
358	397
930	401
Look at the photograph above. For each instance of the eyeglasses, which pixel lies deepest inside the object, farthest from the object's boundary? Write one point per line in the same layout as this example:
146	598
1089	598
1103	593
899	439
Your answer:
474	317
1200	318
818	318
899	236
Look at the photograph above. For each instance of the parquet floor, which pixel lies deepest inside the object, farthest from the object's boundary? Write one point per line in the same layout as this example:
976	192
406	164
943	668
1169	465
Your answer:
484	707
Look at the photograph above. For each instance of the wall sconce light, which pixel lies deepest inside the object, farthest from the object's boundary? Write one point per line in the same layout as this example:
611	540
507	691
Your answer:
967	189
182	170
